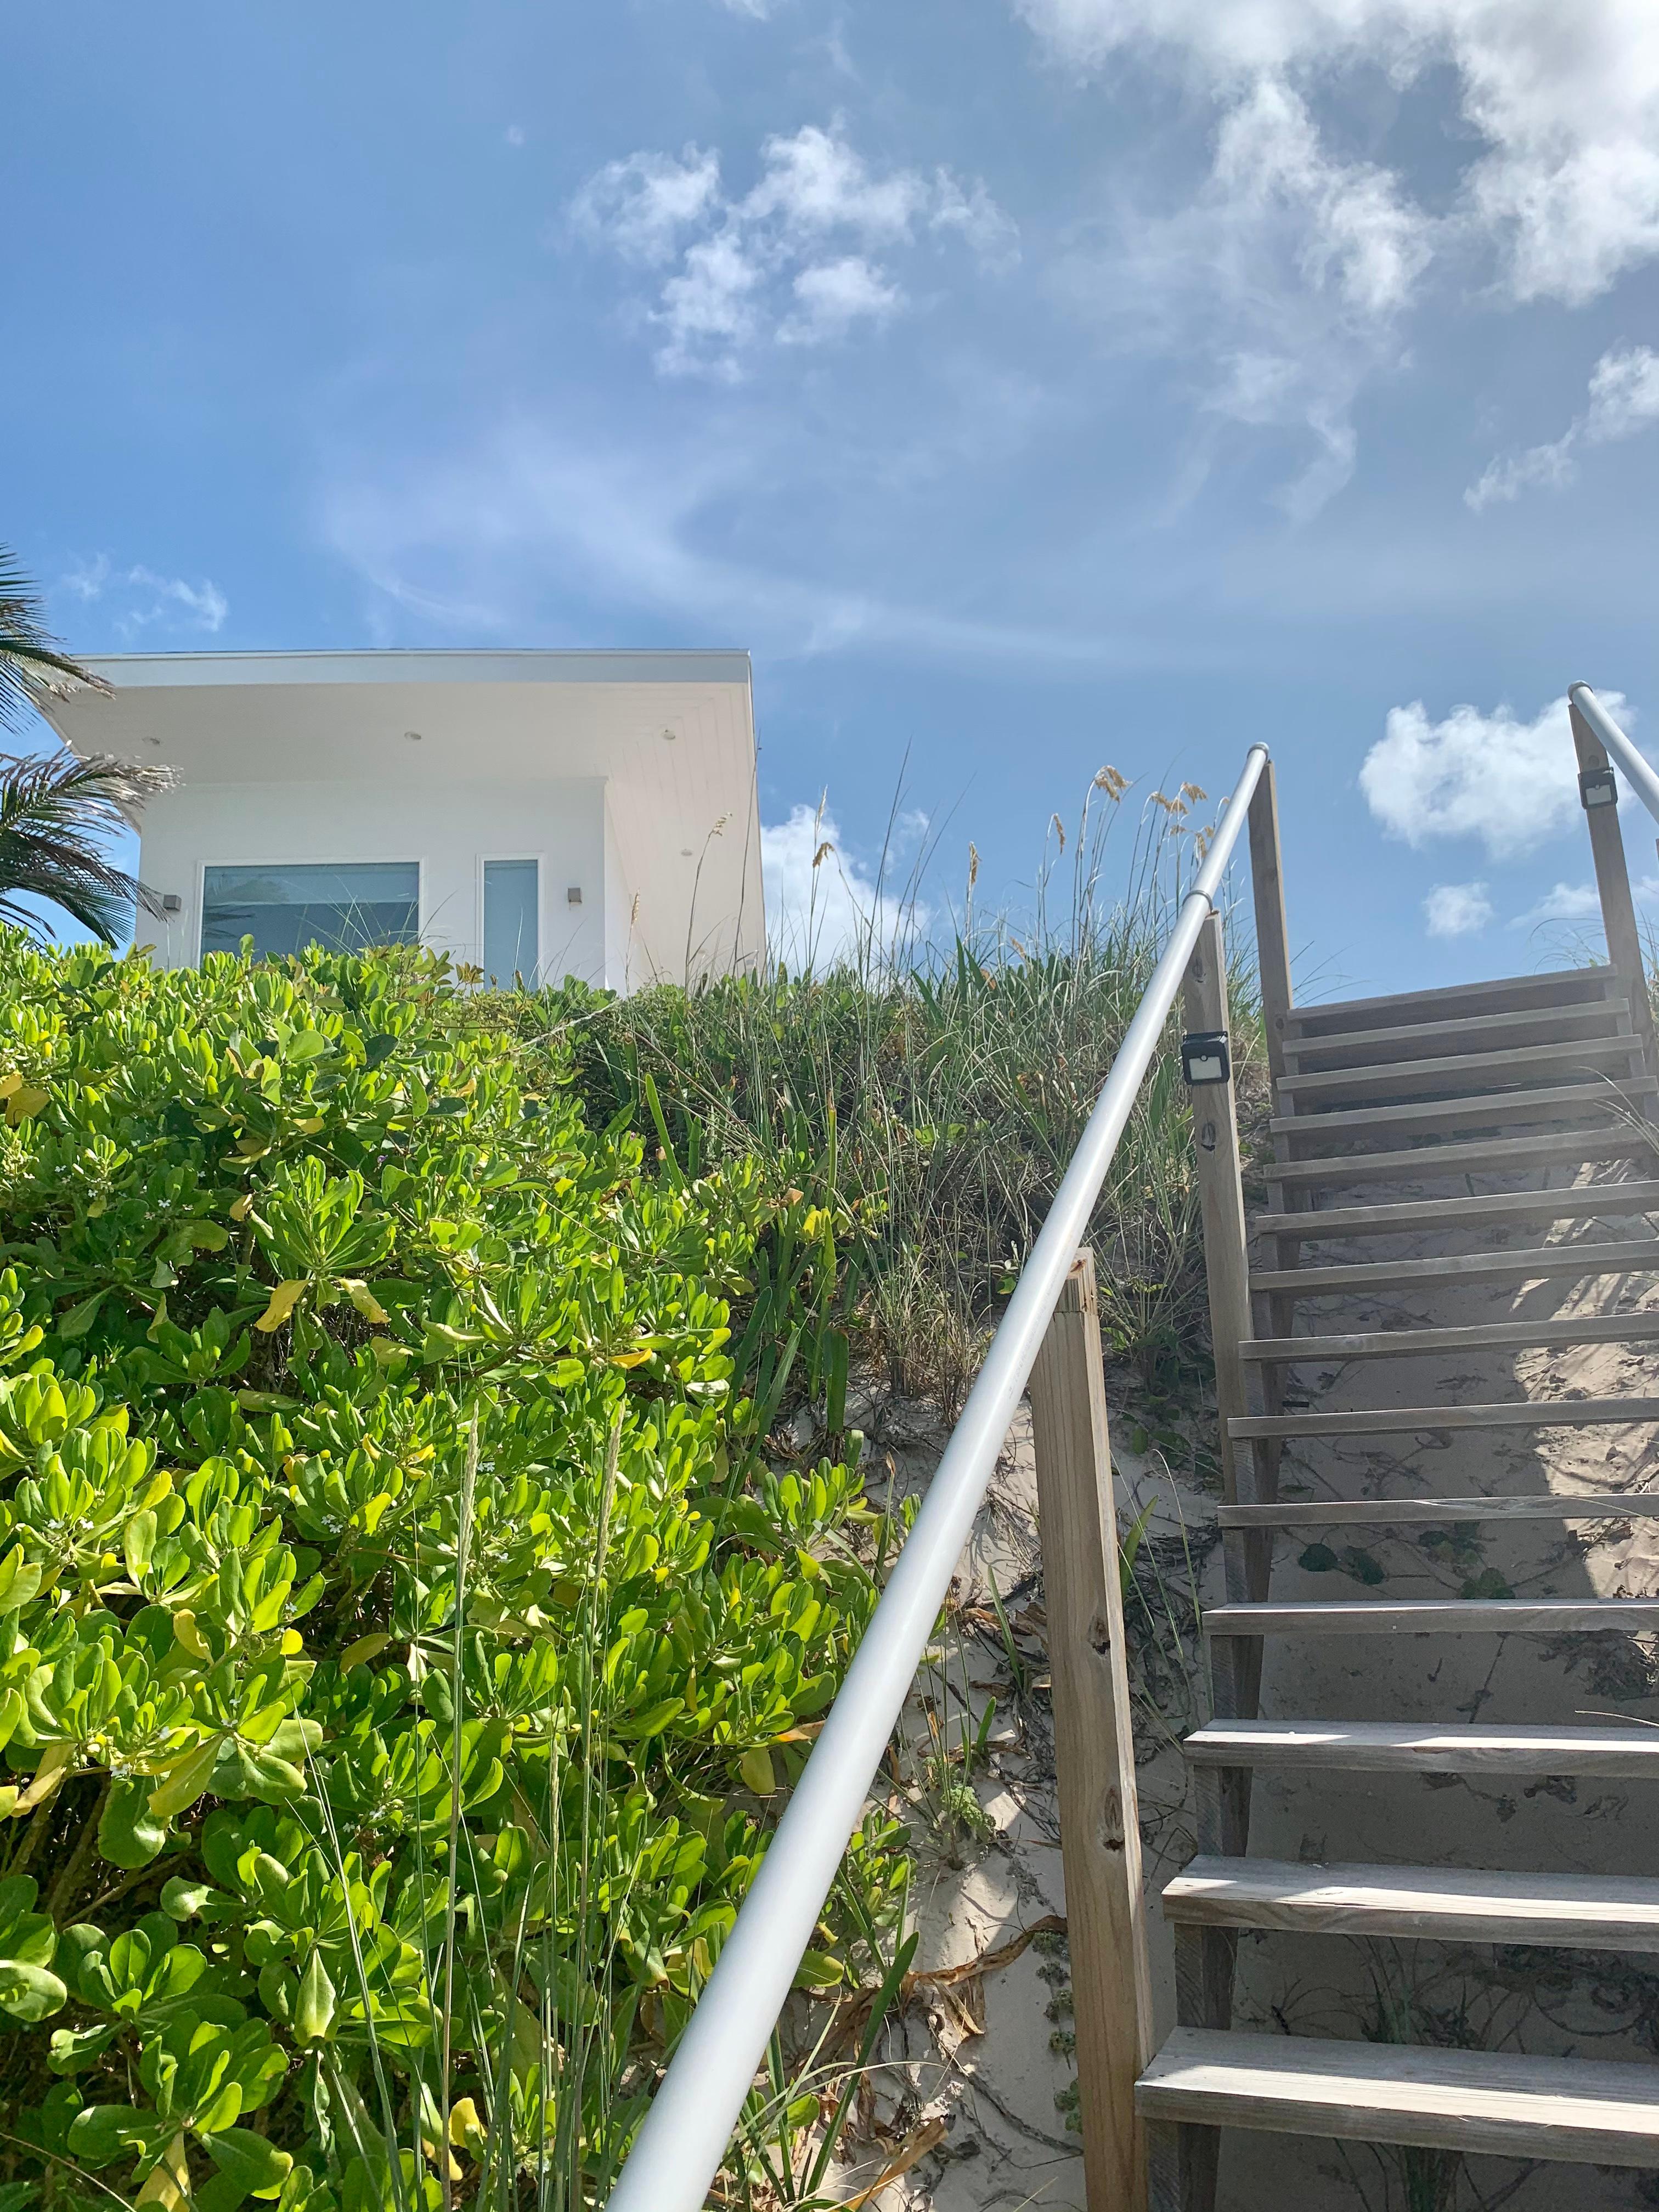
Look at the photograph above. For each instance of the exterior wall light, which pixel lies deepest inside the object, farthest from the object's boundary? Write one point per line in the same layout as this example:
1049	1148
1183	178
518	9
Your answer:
172	903
1205	1057
1596	788
573	895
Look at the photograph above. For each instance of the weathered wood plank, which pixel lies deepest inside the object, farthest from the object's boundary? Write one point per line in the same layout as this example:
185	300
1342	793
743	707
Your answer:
1389	1420
1623	935
1602	1911
1609	1202
1272	944
1440	1616
1462	1071
1562	986
1482	1336
1425	1747
1494	1108
1094	1743
1221	1193
1527	1264
1597	2111
1375	1512
1548	1023
1466	1157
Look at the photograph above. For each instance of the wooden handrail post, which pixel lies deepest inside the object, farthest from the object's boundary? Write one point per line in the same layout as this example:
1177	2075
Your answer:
1272	940
1221	1195
1094	1745
1612	887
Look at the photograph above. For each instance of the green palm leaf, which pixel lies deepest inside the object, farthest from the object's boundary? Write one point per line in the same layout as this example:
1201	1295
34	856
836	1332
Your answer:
30	657
58	816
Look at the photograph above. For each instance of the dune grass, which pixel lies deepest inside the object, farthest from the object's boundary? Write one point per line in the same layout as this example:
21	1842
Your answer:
944	1082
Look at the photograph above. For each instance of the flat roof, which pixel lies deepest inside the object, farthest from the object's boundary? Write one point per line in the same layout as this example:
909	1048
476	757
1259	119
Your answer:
424	664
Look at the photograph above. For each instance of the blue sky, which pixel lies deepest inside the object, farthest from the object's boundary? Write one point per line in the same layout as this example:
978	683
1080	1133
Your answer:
1030	384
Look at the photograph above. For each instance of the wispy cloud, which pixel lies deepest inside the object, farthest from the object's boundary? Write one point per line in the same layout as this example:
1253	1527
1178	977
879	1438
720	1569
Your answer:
800	260
1280	288
1624	400
140	599
479	540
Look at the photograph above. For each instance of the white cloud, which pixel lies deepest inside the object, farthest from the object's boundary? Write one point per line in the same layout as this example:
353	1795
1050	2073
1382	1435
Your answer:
515	134
1281	285
832	296
1624	389
765	266
824	905
1624	400
1456	909
1566	902
1510	783
1563	183
1547	468
640	207
143	599
758	11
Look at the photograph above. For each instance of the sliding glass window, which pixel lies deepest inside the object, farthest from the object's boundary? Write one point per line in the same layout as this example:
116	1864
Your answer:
284	909
512	935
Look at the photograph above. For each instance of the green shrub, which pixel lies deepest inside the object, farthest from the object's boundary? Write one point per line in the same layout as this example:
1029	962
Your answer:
399	1635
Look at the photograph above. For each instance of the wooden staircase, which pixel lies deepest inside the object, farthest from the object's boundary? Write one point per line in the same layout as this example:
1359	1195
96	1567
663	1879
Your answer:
1499	1136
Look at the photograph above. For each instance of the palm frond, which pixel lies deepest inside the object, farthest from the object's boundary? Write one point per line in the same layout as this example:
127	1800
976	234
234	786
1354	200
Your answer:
29	656
57	816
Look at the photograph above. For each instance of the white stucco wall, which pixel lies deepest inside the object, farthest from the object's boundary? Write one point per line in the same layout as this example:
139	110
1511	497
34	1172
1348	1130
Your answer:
451	829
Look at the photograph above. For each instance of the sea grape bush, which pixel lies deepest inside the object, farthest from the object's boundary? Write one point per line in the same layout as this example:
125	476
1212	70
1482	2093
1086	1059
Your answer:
400	1632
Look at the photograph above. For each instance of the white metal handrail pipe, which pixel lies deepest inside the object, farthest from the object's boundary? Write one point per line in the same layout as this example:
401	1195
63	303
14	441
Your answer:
678	2149
1642	780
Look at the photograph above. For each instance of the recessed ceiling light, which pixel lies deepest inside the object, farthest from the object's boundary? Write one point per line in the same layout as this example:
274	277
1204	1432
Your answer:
685	852
671	735
414	737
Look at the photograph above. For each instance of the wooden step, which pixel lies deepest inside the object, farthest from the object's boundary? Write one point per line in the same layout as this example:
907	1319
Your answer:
1481	1336
1610	1201
1527	1263
1625	1752
1564	986
1613	1912
1477	1071
1493	1109
1542	1025
1389	1420
1466	1157
1599	2111
1438	1616
1372	1512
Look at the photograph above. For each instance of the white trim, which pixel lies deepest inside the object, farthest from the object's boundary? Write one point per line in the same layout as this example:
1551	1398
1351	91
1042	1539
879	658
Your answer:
398	665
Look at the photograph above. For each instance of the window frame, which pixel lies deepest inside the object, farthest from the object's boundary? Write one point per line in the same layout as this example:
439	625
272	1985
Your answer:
315	860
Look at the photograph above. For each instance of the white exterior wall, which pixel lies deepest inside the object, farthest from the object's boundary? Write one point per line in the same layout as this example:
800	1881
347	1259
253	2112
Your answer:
451	829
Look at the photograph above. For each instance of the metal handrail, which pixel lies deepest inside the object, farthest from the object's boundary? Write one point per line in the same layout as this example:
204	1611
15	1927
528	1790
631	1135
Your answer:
1643	780
678	2149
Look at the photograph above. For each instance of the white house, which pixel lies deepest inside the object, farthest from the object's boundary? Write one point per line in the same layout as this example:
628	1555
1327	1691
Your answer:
544	814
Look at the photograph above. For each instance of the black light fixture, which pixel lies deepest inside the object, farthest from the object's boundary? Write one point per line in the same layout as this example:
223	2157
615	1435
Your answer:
1205	1057
1596	788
